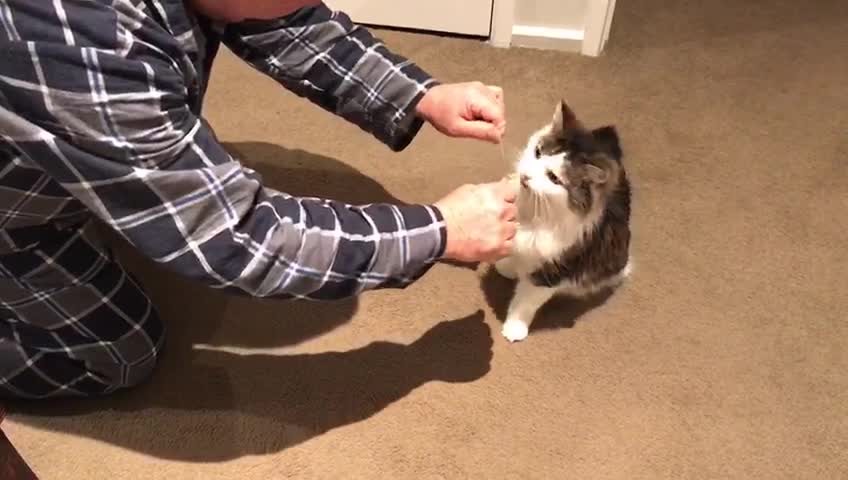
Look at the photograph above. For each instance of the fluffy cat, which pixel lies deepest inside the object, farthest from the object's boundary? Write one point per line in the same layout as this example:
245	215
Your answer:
573	215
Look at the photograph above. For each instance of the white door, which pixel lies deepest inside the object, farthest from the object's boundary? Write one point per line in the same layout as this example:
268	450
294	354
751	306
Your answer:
468	17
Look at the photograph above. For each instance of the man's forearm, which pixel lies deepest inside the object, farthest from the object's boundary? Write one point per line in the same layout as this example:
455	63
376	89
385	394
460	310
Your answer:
323	56
220	226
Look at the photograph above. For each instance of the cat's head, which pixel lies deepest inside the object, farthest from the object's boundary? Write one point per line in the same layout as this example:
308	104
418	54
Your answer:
570	165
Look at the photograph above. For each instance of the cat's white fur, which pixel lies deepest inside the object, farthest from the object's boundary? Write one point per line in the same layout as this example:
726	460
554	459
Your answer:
547	227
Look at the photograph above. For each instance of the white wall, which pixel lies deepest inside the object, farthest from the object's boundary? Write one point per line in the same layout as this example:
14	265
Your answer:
551	13
470	17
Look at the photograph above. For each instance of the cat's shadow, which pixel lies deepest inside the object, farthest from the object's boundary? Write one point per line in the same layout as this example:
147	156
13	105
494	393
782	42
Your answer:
559	312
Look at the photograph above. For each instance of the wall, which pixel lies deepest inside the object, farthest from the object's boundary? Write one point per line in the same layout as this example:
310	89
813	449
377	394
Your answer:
470	17
551	13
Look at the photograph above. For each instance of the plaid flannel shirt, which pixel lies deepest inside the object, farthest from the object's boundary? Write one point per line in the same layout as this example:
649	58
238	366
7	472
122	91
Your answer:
100	114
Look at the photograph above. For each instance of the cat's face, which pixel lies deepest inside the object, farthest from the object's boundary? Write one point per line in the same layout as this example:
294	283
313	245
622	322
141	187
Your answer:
569	165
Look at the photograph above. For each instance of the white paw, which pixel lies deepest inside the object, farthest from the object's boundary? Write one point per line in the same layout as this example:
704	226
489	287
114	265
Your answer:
514	330
506	267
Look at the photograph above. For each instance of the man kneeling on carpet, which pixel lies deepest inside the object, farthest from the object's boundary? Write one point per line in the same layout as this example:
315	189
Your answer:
100	118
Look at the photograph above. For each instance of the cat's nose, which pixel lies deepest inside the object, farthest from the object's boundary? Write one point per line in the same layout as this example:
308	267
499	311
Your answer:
524	179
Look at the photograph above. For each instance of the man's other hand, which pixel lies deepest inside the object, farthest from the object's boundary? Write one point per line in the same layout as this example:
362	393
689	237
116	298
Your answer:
467	110
480	221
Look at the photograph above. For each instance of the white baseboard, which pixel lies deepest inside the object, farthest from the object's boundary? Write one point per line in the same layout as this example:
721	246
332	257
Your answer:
548	38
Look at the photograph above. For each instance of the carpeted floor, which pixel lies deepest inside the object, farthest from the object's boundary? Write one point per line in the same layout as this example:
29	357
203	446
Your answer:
725	357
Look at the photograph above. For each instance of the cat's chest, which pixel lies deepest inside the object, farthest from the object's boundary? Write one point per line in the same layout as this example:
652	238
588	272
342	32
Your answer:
536	245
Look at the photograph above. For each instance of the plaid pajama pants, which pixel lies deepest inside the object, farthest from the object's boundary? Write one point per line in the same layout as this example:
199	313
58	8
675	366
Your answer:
73	322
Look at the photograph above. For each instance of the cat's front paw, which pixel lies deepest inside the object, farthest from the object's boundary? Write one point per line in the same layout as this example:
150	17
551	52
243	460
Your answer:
515	330
506	268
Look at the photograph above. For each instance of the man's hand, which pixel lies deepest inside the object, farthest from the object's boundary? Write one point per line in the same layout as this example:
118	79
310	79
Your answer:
480	221
469	110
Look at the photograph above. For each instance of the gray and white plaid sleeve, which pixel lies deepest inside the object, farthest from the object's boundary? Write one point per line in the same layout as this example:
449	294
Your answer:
100	94
321	55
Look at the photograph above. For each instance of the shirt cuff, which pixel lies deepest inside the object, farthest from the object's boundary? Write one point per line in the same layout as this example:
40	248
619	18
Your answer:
442	241
426	244
405	128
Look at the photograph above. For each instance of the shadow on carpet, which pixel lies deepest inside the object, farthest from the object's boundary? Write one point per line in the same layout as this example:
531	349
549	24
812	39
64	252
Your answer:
559	312
208	403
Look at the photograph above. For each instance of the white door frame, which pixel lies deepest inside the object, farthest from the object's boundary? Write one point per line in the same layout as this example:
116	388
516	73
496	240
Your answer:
597	26
503	20
590	41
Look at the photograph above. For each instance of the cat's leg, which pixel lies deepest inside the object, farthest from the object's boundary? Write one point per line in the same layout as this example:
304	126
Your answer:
506	267
528	299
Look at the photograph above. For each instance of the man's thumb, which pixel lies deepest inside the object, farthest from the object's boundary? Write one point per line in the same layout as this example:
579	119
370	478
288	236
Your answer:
508	189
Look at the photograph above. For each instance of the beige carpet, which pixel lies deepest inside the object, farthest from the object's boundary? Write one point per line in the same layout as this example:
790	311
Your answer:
726	357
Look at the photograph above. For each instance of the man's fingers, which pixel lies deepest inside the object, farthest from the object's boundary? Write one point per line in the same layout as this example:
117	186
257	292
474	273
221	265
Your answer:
488	111
509	212
497	91
507	189
479	130
510	230
501	131
486	107
498	97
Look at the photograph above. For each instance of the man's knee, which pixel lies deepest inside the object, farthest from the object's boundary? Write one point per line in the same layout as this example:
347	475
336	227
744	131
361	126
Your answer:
133	358
87	370
78	325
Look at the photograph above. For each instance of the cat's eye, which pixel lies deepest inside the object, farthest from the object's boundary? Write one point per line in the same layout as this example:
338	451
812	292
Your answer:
538	151
553	178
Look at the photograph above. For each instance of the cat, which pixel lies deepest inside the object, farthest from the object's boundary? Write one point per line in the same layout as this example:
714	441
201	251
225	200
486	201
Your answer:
573	218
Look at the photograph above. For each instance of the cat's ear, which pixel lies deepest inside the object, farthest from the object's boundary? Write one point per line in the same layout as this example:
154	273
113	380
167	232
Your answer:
607	139
564	118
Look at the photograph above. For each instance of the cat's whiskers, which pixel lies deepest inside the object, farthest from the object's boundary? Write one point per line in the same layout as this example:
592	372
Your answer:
537	204
547	205
544	206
